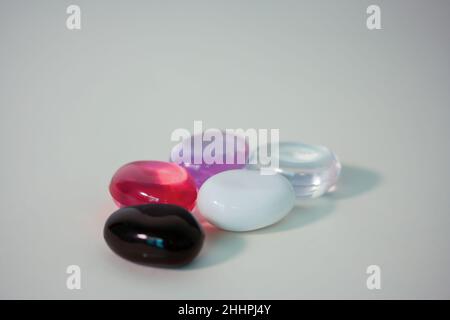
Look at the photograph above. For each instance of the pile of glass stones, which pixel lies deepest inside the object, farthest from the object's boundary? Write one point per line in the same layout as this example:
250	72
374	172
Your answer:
155	224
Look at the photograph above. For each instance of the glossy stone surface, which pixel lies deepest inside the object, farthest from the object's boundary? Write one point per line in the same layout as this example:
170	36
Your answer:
237	153
312	169
243	200
144	182
154	234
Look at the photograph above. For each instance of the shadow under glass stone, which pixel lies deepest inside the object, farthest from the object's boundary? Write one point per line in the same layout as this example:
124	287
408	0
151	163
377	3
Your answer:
354	181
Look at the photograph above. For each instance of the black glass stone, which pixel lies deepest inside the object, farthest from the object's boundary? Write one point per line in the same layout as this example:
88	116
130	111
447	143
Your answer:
154	234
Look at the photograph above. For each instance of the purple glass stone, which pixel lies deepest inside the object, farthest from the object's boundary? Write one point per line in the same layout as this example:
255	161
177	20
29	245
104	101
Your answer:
209	153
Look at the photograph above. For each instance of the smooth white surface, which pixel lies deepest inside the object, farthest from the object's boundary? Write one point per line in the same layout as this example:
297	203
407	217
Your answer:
76	105
243	200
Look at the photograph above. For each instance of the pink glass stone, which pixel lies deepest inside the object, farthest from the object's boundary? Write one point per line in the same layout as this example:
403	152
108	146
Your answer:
144	182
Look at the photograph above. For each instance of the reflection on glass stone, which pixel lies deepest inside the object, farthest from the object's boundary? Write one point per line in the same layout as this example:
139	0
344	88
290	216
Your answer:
312	169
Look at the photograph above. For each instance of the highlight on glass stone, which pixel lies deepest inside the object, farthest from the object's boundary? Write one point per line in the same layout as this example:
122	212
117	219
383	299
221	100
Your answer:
313	170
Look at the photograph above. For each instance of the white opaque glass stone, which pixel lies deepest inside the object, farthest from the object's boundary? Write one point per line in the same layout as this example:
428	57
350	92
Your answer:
312	169
244	200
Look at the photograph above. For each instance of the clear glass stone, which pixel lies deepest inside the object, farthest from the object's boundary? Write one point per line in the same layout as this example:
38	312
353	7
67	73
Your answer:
312	169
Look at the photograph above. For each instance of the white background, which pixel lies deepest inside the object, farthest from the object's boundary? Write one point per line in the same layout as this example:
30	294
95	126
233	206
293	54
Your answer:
76	105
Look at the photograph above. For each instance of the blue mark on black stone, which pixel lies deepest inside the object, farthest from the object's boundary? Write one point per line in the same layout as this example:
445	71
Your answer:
155	242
